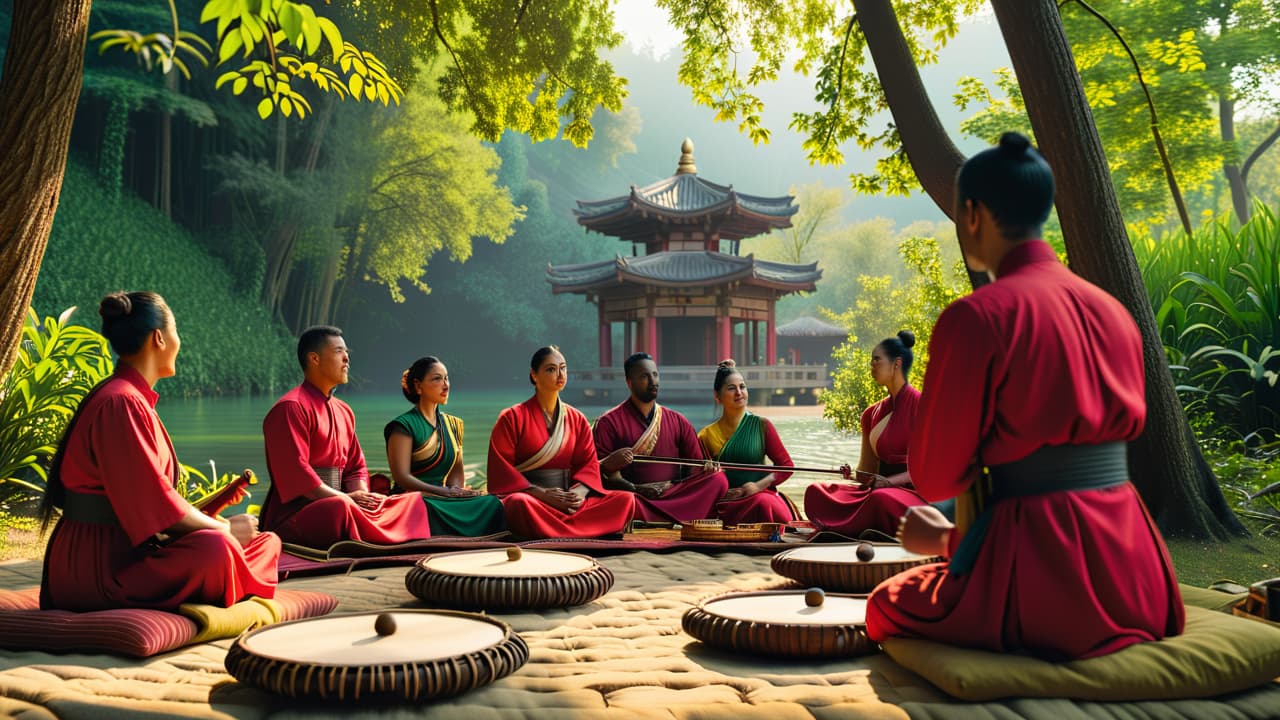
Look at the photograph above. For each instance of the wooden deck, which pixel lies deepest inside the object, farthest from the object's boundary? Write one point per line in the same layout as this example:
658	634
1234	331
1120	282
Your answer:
769	385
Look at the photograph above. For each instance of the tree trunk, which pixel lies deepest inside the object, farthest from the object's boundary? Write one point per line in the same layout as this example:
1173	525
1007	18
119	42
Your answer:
39	89
1235	179
1165	463
933	156
166	151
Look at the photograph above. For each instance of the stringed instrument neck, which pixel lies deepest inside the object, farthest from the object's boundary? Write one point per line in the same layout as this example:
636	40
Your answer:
234	491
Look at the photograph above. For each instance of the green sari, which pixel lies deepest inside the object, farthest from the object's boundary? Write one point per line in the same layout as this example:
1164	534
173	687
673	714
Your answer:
746	445
433	457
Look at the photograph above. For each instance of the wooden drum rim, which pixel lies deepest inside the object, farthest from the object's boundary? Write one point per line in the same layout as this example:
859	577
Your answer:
592	565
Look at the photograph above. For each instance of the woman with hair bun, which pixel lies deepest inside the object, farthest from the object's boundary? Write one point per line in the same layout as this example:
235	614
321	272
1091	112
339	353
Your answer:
126	538
424	452
740	436
543	464
1035	385
878	501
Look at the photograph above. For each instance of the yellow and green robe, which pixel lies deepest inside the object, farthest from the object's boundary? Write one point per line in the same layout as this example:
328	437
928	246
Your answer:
434	455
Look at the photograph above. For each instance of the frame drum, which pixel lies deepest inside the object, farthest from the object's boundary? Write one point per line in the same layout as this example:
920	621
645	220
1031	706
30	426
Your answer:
783	624
838	567
392	656
508	579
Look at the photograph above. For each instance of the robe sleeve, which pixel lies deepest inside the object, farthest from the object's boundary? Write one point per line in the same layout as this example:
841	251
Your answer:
503	478
355	475
586	466
288	442
605	435
950	422
776	451
131	450
688	443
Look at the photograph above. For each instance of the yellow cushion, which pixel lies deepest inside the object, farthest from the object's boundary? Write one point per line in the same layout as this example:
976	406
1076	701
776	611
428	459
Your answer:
1216	654
216	623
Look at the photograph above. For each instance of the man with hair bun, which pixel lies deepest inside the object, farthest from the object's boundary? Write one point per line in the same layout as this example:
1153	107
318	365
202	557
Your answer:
1034	385
641	426
319	483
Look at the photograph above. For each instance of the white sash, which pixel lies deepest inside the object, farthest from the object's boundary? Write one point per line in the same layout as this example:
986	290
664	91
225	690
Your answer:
551	447
649	438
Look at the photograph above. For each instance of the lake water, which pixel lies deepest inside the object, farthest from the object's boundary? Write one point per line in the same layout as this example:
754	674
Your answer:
228	430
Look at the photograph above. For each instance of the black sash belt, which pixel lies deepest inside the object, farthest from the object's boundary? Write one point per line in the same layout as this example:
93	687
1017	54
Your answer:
558	478
1049	469
87	508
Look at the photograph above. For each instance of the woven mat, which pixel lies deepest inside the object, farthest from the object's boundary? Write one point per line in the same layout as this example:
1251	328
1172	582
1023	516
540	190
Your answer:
623	656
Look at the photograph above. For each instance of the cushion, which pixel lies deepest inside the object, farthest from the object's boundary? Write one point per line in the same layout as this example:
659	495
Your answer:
140	632
1215	654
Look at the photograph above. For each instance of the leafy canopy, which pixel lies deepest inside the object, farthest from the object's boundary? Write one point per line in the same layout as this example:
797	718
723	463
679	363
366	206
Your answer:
732	48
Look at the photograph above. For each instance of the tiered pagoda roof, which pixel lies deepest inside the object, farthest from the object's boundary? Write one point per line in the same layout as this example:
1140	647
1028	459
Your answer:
685	199
683	269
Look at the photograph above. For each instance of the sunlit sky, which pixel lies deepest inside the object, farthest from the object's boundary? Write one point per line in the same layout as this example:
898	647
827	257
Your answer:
645	27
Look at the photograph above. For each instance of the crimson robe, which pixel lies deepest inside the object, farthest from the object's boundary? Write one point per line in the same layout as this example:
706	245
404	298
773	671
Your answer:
119	449
852	509
1038	358
692	498
305	430
519	433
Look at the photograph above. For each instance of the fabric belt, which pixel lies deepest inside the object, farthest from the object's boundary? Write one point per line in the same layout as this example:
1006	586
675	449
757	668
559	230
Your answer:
887	469
330	476
549	477
88	508
1049	469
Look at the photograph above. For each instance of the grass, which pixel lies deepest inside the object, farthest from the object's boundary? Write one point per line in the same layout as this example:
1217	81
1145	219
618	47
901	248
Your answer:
20	538
1245	561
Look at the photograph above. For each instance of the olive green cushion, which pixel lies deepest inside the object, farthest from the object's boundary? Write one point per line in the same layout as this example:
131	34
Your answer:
1216	654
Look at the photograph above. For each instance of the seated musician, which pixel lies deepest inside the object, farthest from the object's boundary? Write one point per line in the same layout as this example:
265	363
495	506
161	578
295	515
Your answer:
884	488
740	436
126	538
1038	377
640	426
319	483
542	463
424	452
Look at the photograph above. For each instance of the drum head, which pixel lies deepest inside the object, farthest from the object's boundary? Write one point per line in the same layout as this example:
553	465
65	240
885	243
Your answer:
885	553
837	567
496	563
508	579
782	624
396	656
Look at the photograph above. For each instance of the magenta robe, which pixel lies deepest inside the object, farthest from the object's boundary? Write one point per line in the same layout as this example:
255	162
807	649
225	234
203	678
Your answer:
851	509
305	430
519	433
1038	358
120	449
694	497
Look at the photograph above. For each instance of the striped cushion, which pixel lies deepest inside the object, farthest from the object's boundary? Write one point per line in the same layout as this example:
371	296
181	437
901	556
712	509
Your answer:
126	631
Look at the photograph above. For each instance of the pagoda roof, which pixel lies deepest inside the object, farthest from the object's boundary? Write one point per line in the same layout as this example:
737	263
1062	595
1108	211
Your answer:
686	199
811	327
683	268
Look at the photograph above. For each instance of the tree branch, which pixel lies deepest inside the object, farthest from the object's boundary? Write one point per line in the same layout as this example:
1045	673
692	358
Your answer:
435	25
1263	146
1151	106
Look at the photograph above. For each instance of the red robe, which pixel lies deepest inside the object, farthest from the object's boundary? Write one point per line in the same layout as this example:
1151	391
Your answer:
520	432
305	430
1038	358
852	509
767	505
120	449
694	497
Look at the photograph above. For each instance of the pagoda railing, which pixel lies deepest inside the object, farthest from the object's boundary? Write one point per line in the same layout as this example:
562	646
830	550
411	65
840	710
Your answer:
768	384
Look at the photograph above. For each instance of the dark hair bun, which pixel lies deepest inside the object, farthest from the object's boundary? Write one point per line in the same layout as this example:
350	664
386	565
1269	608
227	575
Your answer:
115	305
727	363
907	337
1014	144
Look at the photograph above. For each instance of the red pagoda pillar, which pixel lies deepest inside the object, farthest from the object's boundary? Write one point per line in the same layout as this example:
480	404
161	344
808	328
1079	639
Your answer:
771	339
651	328
724	337
606	338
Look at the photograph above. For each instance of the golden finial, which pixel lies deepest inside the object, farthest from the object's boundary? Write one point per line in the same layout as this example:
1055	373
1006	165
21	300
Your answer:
686	166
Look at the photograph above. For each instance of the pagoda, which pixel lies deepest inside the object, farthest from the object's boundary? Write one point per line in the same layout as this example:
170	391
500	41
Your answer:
685	295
